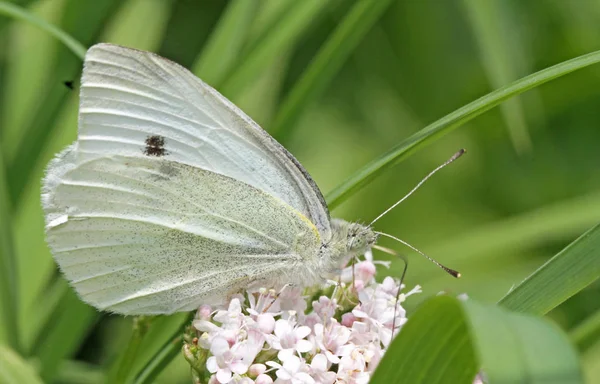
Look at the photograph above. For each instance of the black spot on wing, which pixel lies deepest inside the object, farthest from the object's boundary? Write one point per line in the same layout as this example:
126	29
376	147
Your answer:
155	146
69	84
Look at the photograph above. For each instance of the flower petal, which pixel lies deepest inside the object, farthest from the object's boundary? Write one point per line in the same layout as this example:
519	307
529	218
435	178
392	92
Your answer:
285	354
303	346
319	363
302	332
224	375
219	346
211	364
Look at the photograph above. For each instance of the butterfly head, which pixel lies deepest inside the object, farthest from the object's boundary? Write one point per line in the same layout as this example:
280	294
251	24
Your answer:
360	238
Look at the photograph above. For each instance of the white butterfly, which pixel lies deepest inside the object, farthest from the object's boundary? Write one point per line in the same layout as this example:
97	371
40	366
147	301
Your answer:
172	197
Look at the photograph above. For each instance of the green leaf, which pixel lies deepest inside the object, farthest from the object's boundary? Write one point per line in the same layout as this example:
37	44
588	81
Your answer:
517	348
284	34
568	272
448	341
14	370
9	295
451	121
434	346
327	62
225	43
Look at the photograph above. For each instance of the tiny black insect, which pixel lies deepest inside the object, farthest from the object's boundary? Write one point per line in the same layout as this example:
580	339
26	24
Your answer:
155	146
69	84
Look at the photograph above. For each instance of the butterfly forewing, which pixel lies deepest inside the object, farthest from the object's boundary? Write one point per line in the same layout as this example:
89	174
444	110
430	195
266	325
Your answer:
132	100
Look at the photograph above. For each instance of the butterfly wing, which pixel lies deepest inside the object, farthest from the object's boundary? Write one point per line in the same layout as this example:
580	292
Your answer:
139	235
136	103
172	196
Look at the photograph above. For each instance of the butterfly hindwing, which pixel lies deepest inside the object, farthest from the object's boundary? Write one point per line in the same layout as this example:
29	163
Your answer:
148	235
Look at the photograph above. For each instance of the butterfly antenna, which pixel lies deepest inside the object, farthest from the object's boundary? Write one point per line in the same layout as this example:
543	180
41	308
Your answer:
399	289
450	160
448	270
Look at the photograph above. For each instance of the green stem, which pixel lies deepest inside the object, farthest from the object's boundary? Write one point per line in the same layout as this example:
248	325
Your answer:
451	121
140	328
19	13
164	356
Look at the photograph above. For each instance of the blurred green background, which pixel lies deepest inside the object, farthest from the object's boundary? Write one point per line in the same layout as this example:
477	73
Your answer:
529	184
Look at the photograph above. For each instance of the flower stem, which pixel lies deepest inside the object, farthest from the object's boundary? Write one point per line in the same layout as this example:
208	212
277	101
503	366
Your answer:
141	324
164	356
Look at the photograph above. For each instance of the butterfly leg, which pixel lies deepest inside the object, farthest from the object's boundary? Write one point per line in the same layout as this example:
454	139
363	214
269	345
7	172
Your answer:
288	285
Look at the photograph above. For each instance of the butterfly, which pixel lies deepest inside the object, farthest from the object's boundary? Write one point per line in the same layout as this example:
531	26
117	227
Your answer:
172	197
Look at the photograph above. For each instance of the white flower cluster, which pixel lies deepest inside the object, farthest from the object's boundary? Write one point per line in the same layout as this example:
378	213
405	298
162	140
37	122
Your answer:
270	337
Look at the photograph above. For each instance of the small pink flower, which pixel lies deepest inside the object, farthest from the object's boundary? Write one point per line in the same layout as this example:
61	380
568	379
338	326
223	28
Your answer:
311	347
226	360
291	299
331	338
319	369
362	333
265	323
325	307
263	379
348	319
289	339
256	370
293	371
363	273
203	312
232	318
352	368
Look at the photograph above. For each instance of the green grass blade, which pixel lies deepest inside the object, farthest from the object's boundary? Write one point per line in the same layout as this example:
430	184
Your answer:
451	121
327	62
9	295
47	305
283	35
587	333
449	341
19	13
500	55
226	41
84	21
568	272
63	333
14	370
269	14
